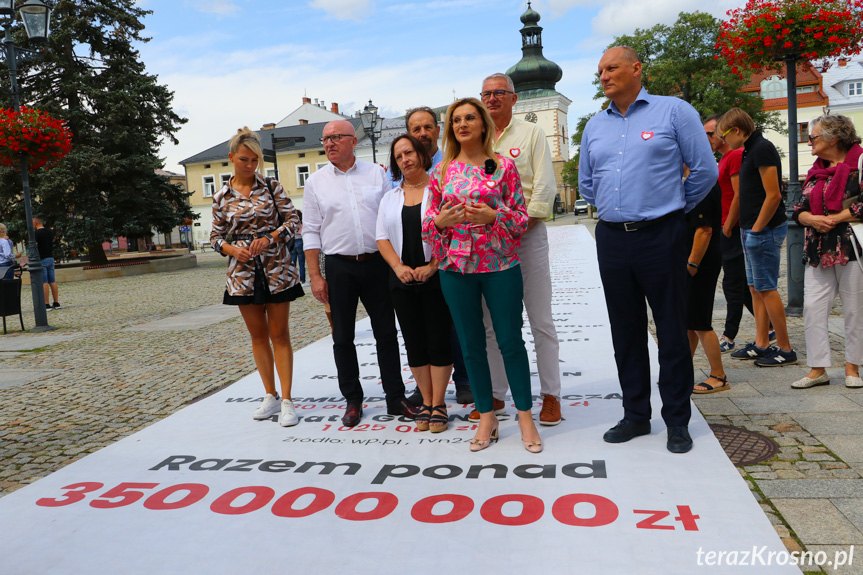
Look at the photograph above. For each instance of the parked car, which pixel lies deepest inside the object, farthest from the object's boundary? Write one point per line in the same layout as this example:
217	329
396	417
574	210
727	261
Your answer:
580	206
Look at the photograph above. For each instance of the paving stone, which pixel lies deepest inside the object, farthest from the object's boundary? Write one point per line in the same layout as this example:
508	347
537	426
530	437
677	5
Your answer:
842	423
818	488
846	447
818	521
764	475
818	457
789	474
793	404
717	406
838	553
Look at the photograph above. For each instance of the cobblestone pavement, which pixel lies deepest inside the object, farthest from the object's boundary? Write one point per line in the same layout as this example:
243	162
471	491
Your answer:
106	383
811	490
103	383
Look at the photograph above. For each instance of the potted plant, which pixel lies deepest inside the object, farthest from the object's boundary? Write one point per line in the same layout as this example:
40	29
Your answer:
44	139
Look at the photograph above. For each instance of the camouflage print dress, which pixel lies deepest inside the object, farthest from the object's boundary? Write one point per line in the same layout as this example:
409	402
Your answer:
242	219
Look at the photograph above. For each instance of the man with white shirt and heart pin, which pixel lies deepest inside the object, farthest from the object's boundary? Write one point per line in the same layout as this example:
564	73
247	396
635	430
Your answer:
526	144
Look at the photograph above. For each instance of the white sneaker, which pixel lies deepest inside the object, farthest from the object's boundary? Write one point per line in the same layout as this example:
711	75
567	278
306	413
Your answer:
269	407
853	381
289	416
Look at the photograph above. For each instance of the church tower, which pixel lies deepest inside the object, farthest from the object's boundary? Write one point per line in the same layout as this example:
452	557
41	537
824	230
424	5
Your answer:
535	78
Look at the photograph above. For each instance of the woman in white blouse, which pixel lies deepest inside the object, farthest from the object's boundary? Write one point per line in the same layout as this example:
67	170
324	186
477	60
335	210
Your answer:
414	283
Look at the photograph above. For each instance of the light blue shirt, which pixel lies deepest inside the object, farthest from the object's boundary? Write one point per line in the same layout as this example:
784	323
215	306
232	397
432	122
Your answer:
6	257
631	167
436	159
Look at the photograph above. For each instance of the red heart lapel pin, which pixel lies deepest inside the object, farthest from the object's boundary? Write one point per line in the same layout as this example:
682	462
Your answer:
490	183
646	135
514	152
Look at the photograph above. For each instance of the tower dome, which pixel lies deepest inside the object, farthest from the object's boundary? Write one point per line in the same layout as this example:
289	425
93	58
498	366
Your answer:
534	75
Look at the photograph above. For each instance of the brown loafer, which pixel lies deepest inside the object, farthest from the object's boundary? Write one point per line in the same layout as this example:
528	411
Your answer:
403	408
499	409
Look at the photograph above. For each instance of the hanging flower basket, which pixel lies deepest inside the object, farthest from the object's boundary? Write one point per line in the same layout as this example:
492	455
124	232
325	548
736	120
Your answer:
44	139
763	33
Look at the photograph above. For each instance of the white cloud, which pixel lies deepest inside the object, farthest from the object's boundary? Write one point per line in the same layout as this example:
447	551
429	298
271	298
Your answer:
344	9
218	7
250	88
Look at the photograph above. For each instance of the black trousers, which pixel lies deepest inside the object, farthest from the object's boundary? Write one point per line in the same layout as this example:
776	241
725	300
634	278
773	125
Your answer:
737	294
348	282
426	325
648	263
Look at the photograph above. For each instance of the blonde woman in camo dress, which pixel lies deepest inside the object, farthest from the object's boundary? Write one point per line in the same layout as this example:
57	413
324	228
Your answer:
259	219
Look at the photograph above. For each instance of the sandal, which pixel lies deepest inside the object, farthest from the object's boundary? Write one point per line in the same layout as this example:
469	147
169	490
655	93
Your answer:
712	388
438	423
422	418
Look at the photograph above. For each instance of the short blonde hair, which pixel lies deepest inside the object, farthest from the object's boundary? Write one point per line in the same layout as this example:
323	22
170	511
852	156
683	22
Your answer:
248	138
451	146
736	118
2	230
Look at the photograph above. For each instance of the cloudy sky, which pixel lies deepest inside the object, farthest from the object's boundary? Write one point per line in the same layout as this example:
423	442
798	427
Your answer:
248	62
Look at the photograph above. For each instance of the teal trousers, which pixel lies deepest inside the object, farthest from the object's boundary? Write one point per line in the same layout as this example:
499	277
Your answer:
503	293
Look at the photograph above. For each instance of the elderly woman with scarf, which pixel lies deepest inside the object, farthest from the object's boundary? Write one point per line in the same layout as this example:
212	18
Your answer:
831	201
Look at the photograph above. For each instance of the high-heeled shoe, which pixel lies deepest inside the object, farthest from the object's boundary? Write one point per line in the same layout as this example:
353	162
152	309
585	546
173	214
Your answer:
438	420
532	446
423	417
480	444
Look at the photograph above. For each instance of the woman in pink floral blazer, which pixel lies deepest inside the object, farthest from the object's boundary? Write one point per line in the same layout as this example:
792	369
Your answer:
474	223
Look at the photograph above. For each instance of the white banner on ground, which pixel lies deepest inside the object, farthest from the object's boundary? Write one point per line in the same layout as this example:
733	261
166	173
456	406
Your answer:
209	490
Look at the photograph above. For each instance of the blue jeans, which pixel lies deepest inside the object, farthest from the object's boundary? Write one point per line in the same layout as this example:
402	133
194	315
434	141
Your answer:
762	251
48	270
298	258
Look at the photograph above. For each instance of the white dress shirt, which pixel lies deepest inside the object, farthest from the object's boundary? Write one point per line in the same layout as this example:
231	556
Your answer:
340	209
389	225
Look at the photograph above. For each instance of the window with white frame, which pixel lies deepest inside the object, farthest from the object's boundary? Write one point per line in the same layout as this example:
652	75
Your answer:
855	88
209	186
773	87
802	132
320	165
224	179
270	172
302	175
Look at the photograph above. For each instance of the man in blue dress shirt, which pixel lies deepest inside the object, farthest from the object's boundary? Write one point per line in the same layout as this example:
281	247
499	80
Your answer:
631	168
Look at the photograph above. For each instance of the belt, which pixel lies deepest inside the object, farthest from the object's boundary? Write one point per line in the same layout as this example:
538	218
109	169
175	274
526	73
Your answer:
358	258
250	237
634	226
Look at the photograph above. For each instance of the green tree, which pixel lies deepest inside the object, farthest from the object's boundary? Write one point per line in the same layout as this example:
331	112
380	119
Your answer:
681	60
92	76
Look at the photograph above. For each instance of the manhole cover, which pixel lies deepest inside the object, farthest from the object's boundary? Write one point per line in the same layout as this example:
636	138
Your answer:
744	447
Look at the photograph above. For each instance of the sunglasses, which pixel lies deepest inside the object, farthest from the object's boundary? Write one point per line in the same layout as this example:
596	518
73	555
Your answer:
813	138
728	131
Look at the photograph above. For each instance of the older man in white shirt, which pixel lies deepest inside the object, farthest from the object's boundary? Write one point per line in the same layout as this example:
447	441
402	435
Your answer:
340	214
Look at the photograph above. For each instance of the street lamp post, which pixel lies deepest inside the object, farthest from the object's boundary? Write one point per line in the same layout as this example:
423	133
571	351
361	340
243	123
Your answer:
36	17
794	240
372	126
